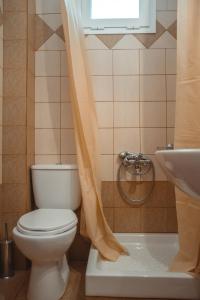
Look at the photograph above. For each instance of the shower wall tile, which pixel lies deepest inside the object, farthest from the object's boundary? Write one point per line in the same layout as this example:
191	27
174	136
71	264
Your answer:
127	219
126	88
126	114
126	62
171	87
47	63
151	138
153	88
15	25
100	62
47	115
47	141
152	61
153	114
15	5
105	93
171	61
47	89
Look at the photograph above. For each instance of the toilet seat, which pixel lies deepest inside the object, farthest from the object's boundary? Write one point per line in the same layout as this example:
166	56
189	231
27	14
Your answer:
42	222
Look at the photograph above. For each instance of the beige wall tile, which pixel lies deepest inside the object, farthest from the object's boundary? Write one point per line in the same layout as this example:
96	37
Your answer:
47	7
126	88
127	220
47	89
171	61
47	63
15	5
14	198
69	159
64	64
126	62
65	93
151	138
171	87
126	139
92	42
126	114
153	114
106	141
67	141
102	88
172	225
47	159
152	61
171	106
47	115
47	141
106	162
152	88
100	62
105	114
170	135
66	115
159	174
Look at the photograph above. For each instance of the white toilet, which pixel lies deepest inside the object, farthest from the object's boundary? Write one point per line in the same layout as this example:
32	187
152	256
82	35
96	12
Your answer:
45	234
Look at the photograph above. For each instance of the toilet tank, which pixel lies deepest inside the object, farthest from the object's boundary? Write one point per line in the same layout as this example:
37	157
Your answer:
56	186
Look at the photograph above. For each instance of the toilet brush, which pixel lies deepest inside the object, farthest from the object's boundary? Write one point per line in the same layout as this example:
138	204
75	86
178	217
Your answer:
6	255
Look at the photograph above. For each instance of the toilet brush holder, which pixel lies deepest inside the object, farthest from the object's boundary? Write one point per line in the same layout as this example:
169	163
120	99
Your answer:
6	256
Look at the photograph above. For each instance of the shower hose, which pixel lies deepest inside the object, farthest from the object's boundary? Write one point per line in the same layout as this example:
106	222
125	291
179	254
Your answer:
136	171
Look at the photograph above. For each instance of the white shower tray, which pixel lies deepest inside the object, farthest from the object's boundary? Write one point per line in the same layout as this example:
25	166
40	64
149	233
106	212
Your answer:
142	274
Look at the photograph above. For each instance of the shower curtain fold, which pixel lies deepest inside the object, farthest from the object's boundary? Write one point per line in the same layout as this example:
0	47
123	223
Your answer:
187	129
86	134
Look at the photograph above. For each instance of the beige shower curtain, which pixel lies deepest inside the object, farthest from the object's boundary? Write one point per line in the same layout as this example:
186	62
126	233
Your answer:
86	134
187	132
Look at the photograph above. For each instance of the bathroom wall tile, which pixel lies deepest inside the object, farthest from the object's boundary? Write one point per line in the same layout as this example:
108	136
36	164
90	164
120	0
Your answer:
15	5
109	215
127	220
107	193
170	135
92	42
126	88
152	61
172	4
67	141
167	40
171	87
64	65
47	159
47	63
153	219
47	89
110	40
153	114
151	138
14	198
53	43
171	106
171	61
106	141
14	84
152	88
47	6
126	139
172	225
66	115
47	115
127	42
15	25
100	62
161	4
166	18
105	114
14	111
14	140
106	162
126	114
102	88
54	21
14	55
65	89
126	62
14	169
47	141
69	159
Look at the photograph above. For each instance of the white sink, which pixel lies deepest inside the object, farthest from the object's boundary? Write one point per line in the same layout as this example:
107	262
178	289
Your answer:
182	166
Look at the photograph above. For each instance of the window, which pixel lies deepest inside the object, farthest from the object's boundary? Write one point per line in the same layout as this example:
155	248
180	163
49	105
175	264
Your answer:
118	16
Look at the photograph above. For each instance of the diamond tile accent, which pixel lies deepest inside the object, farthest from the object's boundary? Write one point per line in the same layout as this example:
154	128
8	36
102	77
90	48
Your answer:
147	39
42	32
60	32
173	29
110	40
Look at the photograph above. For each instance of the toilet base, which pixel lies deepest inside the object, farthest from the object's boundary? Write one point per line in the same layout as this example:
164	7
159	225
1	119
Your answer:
48	280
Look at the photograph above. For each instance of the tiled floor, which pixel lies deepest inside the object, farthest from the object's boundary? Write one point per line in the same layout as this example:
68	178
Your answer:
16	289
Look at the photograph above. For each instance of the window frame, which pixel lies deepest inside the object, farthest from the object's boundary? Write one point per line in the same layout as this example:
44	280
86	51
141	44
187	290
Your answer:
145	24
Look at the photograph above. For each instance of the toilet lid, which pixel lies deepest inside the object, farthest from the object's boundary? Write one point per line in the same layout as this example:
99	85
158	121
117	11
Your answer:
47	221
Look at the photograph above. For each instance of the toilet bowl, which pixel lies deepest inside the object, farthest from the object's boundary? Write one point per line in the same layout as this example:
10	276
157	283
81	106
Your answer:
44	236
